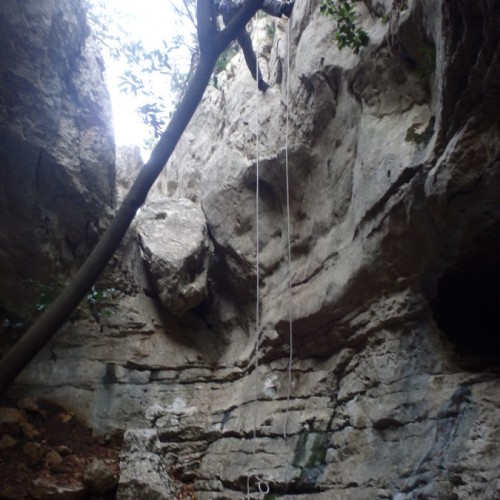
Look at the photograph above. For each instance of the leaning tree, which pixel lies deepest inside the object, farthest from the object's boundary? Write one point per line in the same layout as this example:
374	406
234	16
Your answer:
212	43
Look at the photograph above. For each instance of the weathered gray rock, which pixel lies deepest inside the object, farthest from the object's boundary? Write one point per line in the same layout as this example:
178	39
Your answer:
143	473
177	252
99	478
57	176
128	166
29	404
384	196
44	489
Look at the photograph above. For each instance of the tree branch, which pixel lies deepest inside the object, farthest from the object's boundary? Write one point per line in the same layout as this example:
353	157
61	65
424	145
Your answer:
46	326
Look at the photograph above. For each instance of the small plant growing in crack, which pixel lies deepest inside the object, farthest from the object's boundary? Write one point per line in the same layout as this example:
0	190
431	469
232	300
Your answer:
412	134
97	300
428	66
348	34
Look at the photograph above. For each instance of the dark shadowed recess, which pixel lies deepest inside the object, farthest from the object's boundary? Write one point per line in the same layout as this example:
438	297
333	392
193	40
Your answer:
467	304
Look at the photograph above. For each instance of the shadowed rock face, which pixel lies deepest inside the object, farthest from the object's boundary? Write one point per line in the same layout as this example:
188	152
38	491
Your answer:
56	147
466	303
394	175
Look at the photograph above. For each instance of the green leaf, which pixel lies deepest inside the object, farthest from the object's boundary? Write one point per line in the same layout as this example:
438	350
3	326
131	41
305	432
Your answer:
344	15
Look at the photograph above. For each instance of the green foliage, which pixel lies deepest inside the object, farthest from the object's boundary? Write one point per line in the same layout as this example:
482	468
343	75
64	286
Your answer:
347	34
423	135
148	72
46	294
8	321
153	114
97	300
17	315
270	30
413	136
428	66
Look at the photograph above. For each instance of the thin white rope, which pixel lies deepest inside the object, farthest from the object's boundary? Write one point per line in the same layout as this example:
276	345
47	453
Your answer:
257	271
290	323
262	485
257	266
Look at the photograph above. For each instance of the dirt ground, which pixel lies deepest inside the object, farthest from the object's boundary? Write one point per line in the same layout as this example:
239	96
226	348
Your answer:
42	446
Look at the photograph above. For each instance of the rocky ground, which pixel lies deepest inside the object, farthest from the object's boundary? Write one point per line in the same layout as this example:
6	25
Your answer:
46	453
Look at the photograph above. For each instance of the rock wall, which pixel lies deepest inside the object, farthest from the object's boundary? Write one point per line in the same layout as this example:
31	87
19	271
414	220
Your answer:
394	175
394	199
57	174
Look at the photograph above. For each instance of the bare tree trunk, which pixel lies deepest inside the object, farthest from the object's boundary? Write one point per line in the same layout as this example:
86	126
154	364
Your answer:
212	43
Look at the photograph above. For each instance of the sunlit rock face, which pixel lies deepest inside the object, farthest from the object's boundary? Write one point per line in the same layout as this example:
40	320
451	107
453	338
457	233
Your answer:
56	148
394	177
128	166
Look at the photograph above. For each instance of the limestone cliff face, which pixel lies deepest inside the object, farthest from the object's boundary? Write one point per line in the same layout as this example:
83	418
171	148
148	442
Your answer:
394	166
56	147
394	195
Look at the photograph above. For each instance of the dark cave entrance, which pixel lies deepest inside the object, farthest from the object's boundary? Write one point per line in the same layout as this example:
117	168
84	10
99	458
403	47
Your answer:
467	305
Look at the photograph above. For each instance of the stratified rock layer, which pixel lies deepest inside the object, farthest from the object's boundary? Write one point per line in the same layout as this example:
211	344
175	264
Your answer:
394	177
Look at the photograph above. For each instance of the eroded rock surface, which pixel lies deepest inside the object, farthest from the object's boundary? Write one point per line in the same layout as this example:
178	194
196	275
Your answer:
143	471
57	174
174	241
394	176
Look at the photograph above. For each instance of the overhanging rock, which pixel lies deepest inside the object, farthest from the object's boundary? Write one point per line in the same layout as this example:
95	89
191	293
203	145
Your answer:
177	251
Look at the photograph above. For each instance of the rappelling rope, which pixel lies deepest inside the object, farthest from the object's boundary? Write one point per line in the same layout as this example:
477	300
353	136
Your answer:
257	259
262	484
290	323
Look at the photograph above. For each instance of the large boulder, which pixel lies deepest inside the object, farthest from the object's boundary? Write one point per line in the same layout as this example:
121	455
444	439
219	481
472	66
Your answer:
177	250
98	478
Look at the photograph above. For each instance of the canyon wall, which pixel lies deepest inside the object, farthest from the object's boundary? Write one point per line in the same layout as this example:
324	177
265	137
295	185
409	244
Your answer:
57	158
394	187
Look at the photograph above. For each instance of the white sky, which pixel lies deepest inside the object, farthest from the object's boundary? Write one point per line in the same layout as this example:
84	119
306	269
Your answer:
151	21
